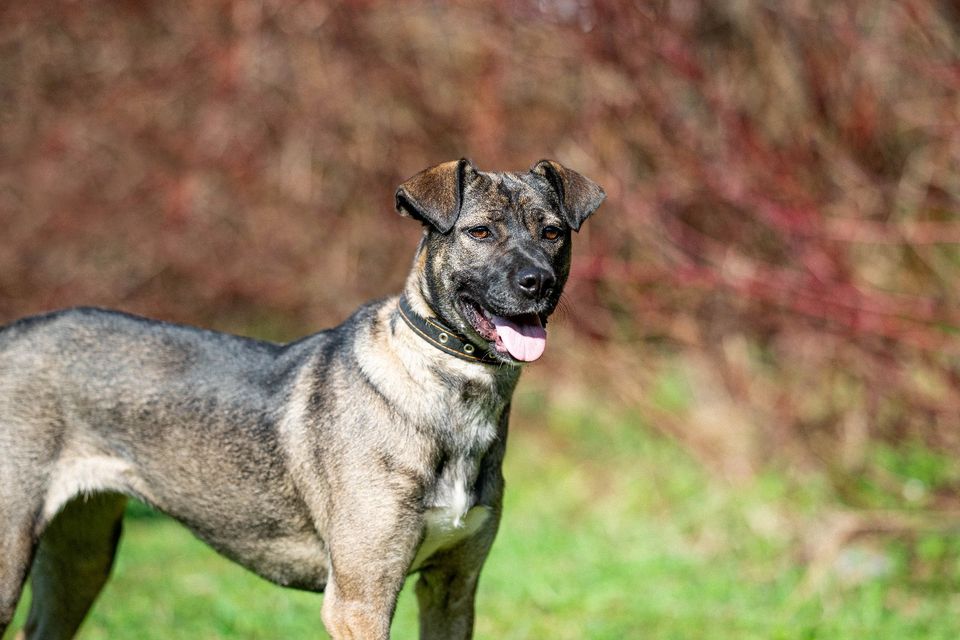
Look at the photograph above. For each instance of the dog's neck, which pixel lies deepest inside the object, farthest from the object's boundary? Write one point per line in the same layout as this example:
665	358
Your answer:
416	308
442	337
415	289
418	295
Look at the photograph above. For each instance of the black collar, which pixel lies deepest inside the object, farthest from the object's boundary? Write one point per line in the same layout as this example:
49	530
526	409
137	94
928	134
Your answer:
443	337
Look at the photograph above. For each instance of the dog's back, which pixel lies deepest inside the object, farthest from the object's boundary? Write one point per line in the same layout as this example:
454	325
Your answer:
83	390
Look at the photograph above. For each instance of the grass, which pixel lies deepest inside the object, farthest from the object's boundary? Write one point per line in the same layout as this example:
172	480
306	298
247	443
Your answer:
610	532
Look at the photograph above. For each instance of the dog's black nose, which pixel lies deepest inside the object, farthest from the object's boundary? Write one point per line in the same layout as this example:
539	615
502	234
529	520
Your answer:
535	282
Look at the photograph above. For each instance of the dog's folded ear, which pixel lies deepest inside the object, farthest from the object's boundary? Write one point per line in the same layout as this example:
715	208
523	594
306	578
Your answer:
434	195
579	196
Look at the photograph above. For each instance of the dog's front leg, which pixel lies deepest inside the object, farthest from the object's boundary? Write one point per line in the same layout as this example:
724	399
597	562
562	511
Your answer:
447	587
369	559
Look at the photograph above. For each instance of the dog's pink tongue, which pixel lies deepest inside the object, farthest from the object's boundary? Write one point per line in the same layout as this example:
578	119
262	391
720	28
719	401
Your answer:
525	342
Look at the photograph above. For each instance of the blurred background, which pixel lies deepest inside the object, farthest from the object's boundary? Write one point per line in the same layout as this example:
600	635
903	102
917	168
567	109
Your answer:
749	409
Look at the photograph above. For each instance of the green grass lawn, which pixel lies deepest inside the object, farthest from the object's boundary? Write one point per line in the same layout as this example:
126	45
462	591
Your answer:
609	532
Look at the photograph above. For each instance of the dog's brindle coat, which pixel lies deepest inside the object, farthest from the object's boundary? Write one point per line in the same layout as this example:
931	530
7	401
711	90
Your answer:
340	463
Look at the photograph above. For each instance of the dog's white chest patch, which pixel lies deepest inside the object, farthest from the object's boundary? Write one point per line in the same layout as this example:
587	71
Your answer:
444	527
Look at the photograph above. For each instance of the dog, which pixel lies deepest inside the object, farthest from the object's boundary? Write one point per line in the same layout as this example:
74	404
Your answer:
340	463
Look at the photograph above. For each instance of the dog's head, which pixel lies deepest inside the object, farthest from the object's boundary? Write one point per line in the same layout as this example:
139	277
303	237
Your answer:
497	248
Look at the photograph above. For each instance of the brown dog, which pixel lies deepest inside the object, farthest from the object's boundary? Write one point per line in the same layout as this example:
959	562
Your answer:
340	463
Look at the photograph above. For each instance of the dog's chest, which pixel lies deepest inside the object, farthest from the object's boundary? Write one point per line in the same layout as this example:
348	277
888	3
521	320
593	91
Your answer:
452	512
442	530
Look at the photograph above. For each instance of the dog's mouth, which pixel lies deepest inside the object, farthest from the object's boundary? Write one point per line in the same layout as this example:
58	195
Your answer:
521	337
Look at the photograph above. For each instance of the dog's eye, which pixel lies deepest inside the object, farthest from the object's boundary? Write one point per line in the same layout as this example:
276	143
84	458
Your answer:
480	233
551	233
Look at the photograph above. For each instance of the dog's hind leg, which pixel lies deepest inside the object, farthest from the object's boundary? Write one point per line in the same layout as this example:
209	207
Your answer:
16	551
72	564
